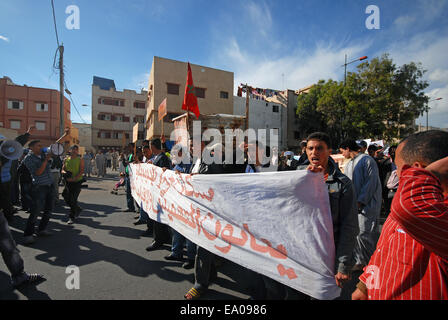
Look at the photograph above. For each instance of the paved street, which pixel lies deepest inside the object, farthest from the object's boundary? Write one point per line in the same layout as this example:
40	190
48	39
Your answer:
110	253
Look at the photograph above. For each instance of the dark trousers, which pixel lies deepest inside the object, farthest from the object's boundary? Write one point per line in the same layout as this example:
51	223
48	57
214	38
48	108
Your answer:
204	266
25	195
161	233
70	194
42	200
129	198
5	198
8	249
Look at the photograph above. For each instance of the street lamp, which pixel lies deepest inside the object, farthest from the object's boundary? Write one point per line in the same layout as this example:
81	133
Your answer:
347	63
427	111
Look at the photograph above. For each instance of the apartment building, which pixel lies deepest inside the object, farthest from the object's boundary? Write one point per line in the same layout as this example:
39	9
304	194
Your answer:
24	106
214	90
265	115
114	114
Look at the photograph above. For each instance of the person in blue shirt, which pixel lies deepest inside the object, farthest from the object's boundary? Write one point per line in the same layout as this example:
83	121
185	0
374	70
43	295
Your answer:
42	191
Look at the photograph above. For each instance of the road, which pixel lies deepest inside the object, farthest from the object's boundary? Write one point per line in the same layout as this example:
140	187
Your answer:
110	254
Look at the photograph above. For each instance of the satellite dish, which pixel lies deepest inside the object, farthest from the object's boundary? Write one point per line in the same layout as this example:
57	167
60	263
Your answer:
57	149
11	150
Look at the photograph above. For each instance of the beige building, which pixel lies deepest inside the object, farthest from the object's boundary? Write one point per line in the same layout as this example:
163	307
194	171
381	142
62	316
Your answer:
84	135
114	114
214	90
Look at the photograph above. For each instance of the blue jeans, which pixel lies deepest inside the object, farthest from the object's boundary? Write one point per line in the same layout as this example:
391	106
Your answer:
129	198
178	246
42	200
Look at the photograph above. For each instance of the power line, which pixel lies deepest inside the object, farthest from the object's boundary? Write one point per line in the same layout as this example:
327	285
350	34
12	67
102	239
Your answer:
54	20
73	103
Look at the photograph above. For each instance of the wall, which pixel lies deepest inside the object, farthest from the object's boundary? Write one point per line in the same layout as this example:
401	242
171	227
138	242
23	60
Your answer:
166	71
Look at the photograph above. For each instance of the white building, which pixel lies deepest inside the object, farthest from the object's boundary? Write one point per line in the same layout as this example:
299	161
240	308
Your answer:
264	115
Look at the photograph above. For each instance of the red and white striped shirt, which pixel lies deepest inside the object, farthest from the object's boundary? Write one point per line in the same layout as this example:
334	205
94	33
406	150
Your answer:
411	259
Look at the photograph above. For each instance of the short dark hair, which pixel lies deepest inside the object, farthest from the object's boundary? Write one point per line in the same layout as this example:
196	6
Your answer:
32	143
74	147
373	147
350	144
302	144
157	143
426	146
363	144
320	136
131	144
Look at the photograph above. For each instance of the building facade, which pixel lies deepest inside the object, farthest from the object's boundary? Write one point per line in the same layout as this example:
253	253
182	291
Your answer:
84	135
114	114
24	106
265	115
214	90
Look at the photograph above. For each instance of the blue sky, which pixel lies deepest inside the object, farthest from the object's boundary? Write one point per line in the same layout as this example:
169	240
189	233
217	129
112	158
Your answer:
275	44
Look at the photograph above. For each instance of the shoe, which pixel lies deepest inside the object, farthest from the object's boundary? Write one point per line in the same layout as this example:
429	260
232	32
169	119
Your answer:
137	217
25	279
128	210
29	240
173	257
44	233
154	246
71	221
139	222
188	265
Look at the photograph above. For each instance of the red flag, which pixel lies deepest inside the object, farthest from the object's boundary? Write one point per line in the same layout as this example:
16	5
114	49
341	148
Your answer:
190	100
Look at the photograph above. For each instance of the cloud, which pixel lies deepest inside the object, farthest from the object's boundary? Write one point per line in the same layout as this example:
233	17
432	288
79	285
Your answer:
4	38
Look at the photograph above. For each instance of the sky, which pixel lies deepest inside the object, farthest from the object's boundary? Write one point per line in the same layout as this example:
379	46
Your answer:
281	44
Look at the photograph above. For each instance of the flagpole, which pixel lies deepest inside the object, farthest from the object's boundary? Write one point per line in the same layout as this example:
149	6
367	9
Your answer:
247	107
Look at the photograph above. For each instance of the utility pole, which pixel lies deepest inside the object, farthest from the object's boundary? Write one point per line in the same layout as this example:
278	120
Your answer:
61	90
247	107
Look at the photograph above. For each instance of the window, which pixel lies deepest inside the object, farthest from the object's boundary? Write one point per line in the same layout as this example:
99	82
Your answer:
275	108
200	93
172	88
14	124
119	117
224	95
15	104
111	102
40	125
1	124
139	105
41	107
139	119
107	117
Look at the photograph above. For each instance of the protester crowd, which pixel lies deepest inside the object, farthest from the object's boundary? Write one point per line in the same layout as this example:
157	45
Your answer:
406	184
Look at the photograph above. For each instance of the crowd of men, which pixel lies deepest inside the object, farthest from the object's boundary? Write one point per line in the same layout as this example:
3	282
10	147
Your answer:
408	183
361	187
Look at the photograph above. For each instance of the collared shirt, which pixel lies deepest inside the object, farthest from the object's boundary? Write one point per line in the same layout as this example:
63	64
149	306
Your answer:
411	259
33	163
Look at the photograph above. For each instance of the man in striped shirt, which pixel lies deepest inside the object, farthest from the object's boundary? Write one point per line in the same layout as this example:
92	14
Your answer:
411	259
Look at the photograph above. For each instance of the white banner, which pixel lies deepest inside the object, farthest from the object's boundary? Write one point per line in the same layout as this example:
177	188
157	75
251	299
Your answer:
277	223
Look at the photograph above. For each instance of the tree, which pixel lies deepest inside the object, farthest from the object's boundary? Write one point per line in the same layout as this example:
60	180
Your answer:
379	101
